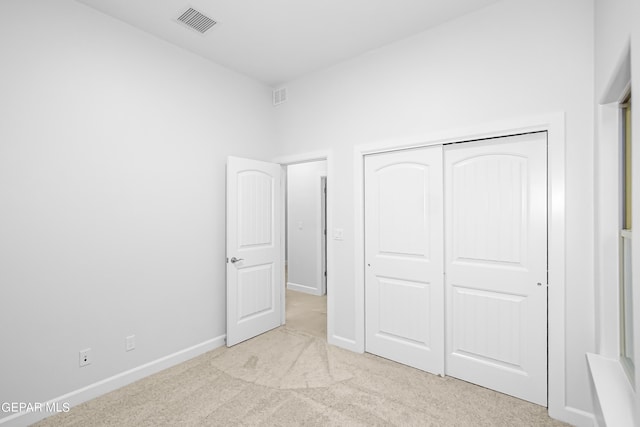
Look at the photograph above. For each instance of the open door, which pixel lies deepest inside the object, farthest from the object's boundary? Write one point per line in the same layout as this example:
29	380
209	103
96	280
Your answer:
253	248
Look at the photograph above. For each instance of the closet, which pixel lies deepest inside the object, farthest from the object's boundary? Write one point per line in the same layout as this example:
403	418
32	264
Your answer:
456	261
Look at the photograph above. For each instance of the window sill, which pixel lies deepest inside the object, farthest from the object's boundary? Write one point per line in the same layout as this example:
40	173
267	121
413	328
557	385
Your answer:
613	395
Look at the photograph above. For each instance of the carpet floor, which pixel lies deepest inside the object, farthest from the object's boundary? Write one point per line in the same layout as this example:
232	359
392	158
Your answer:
290	376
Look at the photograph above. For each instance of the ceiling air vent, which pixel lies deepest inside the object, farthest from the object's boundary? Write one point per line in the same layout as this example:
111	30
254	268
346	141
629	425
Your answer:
196	20
279	96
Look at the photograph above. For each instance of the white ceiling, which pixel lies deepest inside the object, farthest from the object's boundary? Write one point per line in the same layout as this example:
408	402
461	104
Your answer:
275	41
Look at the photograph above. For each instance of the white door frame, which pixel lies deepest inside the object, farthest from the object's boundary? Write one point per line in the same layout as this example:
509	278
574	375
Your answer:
305	158
554	125
324	236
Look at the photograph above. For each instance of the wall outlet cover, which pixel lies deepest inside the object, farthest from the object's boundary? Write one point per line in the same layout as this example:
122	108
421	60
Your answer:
130	342
85	357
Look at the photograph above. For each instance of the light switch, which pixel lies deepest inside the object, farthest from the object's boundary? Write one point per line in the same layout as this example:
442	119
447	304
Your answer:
338	234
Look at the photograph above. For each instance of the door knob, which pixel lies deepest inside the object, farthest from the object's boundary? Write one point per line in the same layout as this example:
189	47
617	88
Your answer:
234	260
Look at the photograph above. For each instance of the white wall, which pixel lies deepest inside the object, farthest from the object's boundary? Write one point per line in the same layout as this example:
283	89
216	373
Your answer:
514	59
613	24
304	226
112	187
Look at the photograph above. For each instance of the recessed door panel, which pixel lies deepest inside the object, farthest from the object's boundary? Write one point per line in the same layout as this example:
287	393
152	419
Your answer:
403	207
255	291
490	329
412	324
255	209
490	226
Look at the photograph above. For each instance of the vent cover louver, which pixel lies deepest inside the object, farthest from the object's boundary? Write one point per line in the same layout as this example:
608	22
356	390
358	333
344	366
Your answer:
196	20
279	96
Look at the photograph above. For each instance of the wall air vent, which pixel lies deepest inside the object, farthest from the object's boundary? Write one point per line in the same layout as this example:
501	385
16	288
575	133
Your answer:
196	20
279	95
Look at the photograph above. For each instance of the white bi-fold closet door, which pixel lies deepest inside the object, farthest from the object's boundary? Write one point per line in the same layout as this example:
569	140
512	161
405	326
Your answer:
456	261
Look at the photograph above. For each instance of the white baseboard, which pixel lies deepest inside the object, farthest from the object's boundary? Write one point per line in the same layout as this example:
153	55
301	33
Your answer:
577	417
303	288
573	416
346	343
115	382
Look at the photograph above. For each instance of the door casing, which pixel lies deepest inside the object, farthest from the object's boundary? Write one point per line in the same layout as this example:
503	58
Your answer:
554	125
305	158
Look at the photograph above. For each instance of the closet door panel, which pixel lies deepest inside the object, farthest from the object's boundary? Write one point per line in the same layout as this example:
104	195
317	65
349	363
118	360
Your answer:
496	264
403	251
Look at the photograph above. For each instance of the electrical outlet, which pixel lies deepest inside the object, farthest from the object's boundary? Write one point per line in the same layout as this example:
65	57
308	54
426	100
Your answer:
130	343
85	357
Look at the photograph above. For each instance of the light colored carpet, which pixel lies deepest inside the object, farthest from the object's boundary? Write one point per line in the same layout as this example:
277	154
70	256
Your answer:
307	313
291	377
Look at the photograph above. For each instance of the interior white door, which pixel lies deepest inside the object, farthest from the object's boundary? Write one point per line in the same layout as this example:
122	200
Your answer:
496	264
253	248
404	291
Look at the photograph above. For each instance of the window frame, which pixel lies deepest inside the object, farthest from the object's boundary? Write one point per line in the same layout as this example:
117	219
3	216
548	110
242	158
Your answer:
625	286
